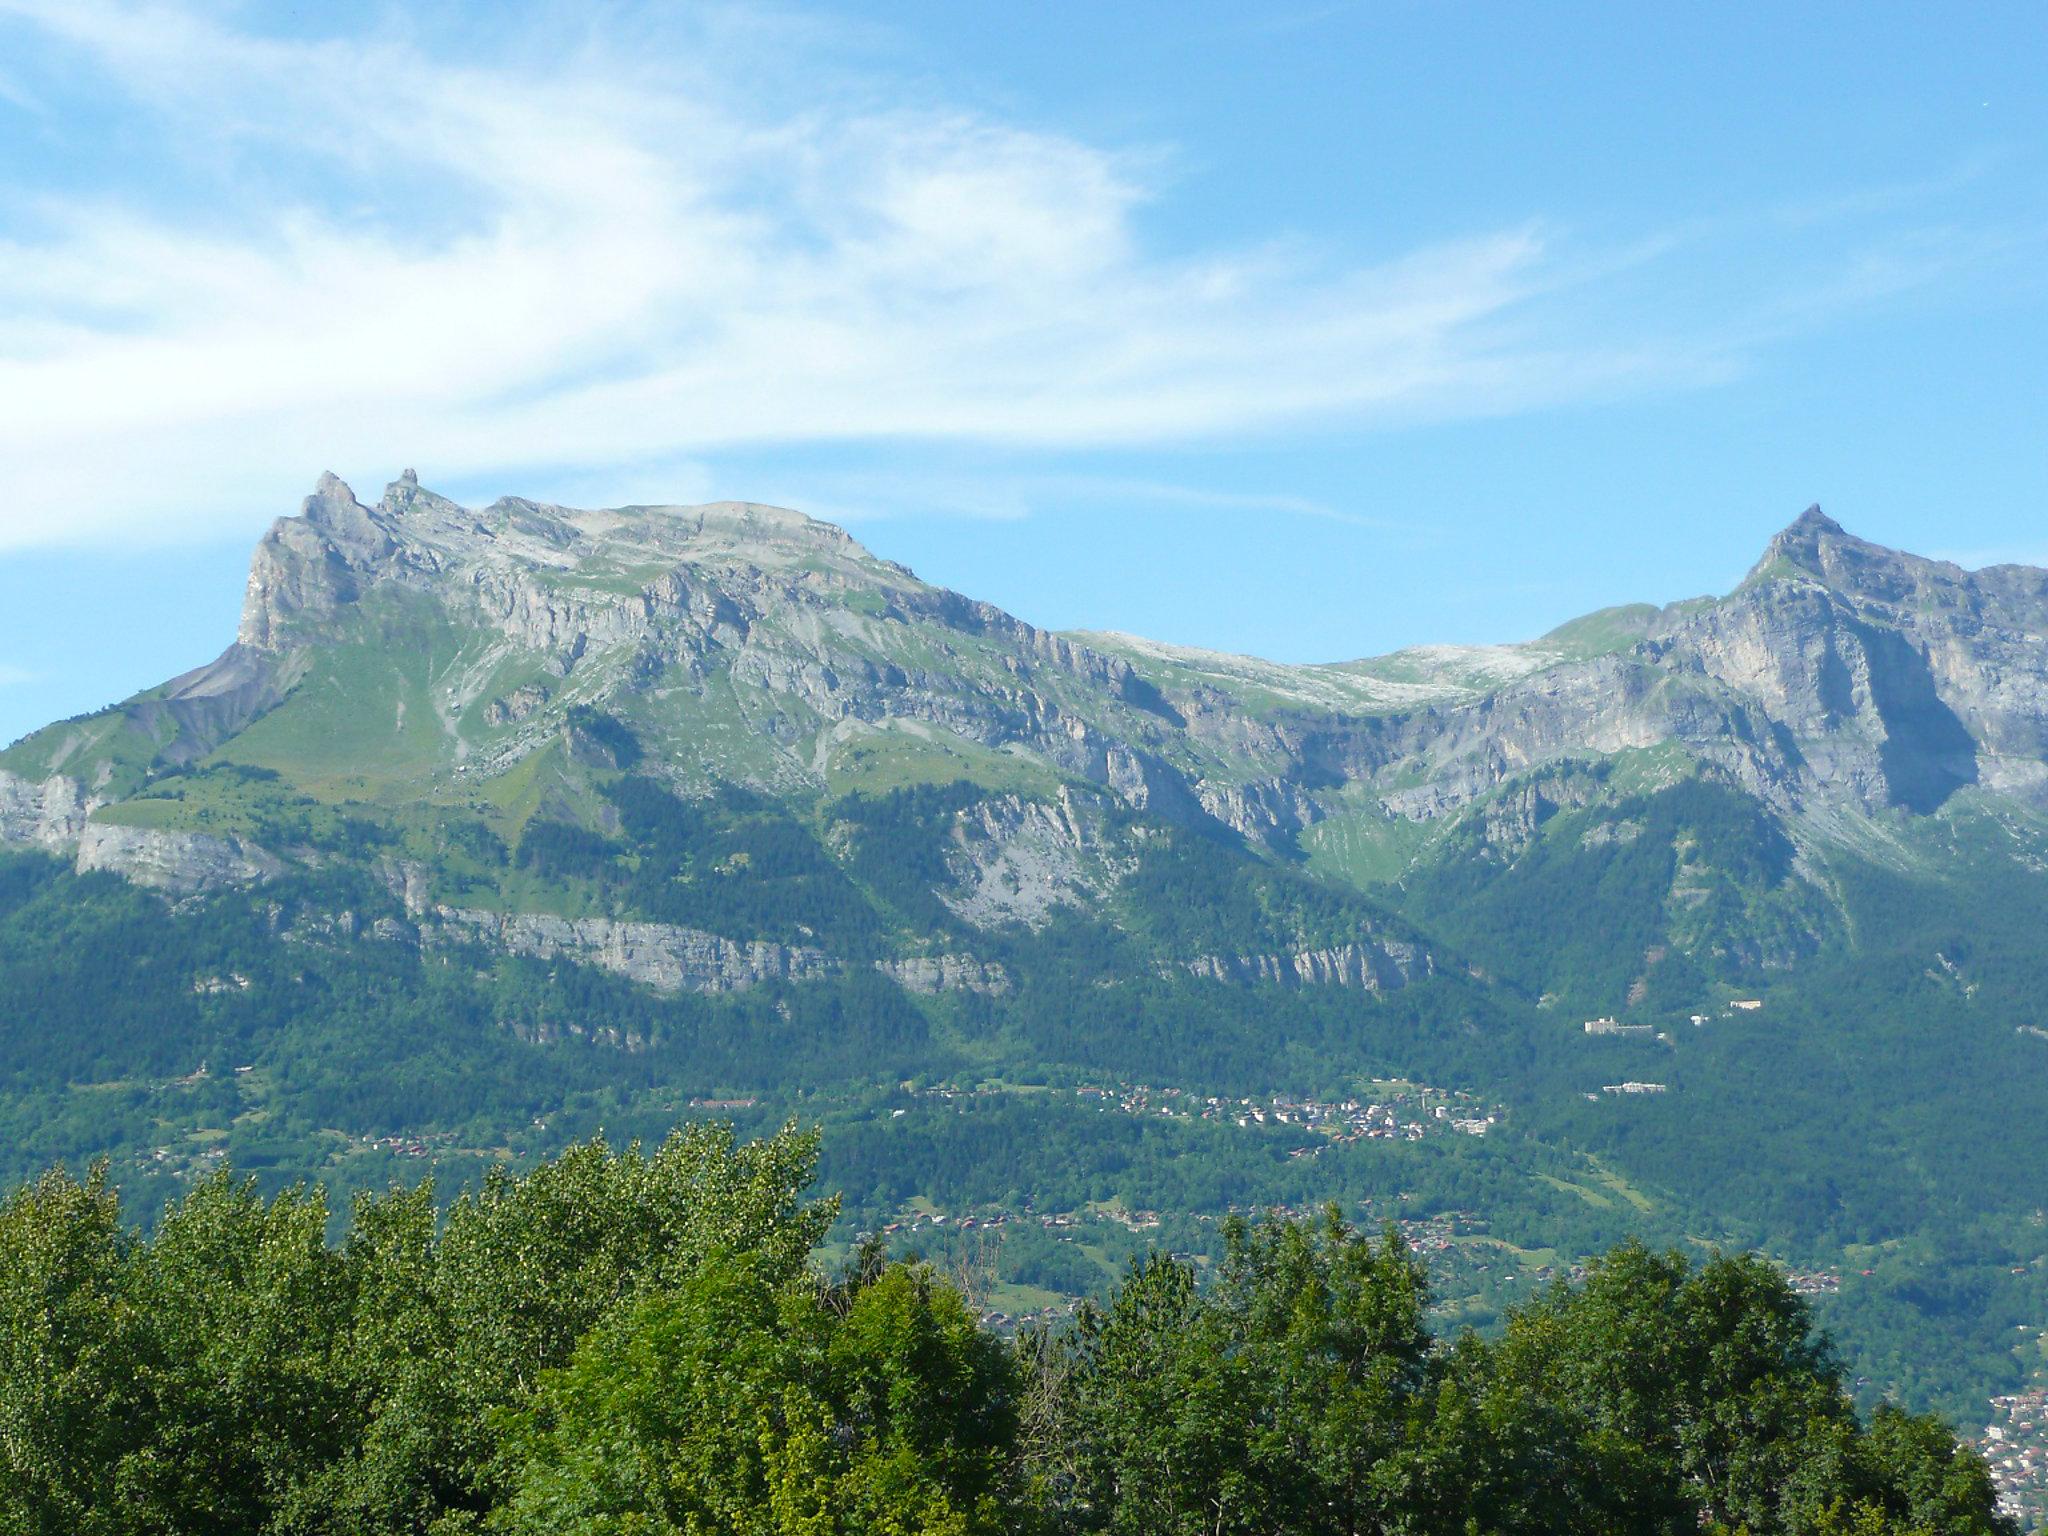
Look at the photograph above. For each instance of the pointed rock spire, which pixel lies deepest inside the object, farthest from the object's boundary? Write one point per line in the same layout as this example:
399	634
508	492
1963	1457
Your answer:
1812	523
347	524
1801	543
402	493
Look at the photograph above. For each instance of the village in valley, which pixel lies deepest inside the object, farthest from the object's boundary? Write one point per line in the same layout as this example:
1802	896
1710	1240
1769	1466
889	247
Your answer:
2015	1443
1386	1110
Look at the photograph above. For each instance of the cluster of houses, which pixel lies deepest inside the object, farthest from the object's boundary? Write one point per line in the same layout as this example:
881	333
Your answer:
1614	1029
1063	1222
2015	1443
1605	1028
1739	1005
938	1221
1618	1030
398	1146
183	1162
1394	1112
1402	1112
1813	1282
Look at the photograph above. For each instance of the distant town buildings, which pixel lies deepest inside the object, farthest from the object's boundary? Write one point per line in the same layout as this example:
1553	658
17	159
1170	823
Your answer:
1633	1088
2015	1443
1813	1282
1616	1027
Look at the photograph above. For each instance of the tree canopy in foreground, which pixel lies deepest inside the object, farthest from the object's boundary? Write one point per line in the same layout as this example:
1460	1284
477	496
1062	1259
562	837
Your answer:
632	1343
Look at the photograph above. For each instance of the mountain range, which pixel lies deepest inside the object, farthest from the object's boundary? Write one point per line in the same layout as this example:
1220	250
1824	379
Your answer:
416	652
712	798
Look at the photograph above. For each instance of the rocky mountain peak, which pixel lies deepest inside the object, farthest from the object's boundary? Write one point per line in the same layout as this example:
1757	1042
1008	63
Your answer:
1864	574
350	526
1805	544
526	555
401	493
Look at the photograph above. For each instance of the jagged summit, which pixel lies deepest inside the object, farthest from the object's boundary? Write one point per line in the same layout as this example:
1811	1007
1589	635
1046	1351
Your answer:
1811	543
334	506
307	567
1877	579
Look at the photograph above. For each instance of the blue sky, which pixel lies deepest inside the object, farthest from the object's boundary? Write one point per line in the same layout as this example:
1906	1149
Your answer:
1310	330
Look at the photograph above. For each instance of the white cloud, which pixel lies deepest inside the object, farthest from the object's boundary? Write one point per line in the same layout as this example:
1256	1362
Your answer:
1004	495
592	263
10	676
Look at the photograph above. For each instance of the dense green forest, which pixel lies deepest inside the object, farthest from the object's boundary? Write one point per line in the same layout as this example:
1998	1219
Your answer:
624	1342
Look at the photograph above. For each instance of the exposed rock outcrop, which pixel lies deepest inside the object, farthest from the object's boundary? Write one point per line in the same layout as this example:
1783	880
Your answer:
1263	811
1017	860
1381	966
675	959
657	955
181	863
48	814
930	974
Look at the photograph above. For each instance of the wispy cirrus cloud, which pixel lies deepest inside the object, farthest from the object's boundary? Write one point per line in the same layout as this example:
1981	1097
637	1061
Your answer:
592	257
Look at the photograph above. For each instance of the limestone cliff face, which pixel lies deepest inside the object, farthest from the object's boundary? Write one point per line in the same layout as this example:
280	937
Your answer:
181	863
47	815
669	959
674	959
1018	860
55	816
929	975
1378	966
1840	675
1899	679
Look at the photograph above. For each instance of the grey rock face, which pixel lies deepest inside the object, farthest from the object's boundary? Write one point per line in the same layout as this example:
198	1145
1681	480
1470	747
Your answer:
811	627
1015	860
930	974
1381	966
1899	679
674	959
1840	672
657	955
181	863
47	815
516	706
1839	675
1261	810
